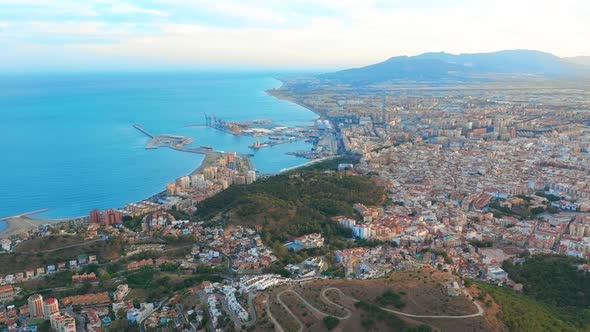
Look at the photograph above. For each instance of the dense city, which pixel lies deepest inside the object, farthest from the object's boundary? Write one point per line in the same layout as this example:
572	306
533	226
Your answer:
474	178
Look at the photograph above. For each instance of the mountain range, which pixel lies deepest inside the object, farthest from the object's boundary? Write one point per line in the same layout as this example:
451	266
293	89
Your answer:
443	66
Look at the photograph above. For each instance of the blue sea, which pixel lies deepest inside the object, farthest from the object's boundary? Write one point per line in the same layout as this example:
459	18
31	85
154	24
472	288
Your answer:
67	141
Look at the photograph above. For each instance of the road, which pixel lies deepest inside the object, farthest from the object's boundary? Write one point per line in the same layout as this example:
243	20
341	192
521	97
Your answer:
252	311
142	322
71	246
324	298
277	326
479	308
301	325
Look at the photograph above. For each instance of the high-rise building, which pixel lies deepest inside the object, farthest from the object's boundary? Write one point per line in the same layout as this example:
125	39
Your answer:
171	188
184	182
36	306
50	306
250	177
111	216
95	216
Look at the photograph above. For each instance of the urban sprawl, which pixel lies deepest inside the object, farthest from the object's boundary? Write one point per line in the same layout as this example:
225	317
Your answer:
474	177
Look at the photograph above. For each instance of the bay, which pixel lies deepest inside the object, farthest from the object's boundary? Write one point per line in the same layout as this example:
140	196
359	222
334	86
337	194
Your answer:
67	141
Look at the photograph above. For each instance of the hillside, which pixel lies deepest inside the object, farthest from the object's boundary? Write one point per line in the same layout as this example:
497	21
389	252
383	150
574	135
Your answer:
402	301
293	204
556	282
522	313
462	67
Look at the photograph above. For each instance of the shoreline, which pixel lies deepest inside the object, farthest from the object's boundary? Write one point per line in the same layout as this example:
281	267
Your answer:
22	223
278	94
19	225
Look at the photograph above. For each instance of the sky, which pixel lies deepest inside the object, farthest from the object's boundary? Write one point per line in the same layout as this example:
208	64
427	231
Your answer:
39	35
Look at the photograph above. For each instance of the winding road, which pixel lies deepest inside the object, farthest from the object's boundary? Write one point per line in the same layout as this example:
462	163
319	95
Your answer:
301	325
326	300
278	326
477	314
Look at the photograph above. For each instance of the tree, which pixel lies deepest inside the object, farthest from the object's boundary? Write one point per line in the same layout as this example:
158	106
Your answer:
331	322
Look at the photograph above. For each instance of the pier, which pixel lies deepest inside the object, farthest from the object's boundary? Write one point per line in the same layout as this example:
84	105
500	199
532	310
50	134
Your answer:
24	214
175	142
257	145
140	128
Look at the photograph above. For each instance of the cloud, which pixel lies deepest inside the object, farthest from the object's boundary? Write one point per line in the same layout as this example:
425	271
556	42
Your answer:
128	9
247	12
320	33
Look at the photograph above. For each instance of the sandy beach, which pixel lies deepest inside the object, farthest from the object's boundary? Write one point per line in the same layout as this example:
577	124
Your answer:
19	225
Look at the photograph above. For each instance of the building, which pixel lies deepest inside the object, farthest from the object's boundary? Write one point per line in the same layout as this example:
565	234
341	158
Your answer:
309	241
36	305
95	217
6	293
184	182
250	177
139	264
137	315
496	273
50	306
110	217
107	217
62	323
120	293
85	277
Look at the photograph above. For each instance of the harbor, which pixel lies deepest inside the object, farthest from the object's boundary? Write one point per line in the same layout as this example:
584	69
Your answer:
175	142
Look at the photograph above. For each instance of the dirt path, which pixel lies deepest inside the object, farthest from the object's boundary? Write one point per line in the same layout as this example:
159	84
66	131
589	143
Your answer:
278	326
326	300
479	308
301	325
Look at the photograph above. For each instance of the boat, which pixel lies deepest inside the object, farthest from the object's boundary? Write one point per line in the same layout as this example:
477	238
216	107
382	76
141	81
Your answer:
208	147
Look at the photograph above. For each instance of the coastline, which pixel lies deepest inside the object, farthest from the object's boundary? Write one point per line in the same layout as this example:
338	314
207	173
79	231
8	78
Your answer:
279	94
22	223
19	225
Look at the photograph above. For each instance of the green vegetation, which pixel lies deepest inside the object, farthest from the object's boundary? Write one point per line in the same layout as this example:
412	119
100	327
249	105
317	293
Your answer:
481	244
522	313
161	284
44	251
468	282
550	198
331	322
390	297
133	223
552	279
375	314
442	253
296	203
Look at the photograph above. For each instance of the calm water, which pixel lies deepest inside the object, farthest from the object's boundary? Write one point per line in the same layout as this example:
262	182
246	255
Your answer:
67	141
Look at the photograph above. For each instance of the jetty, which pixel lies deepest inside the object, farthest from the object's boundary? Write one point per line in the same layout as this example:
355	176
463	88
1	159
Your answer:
175	142
26	214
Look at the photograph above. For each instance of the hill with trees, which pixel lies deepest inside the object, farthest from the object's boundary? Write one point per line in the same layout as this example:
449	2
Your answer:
557	283
552	279
293	204
523	313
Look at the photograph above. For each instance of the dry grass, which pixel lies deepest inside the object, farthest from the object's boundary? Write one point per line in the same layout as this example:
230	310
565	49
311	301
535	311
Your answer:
424	294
